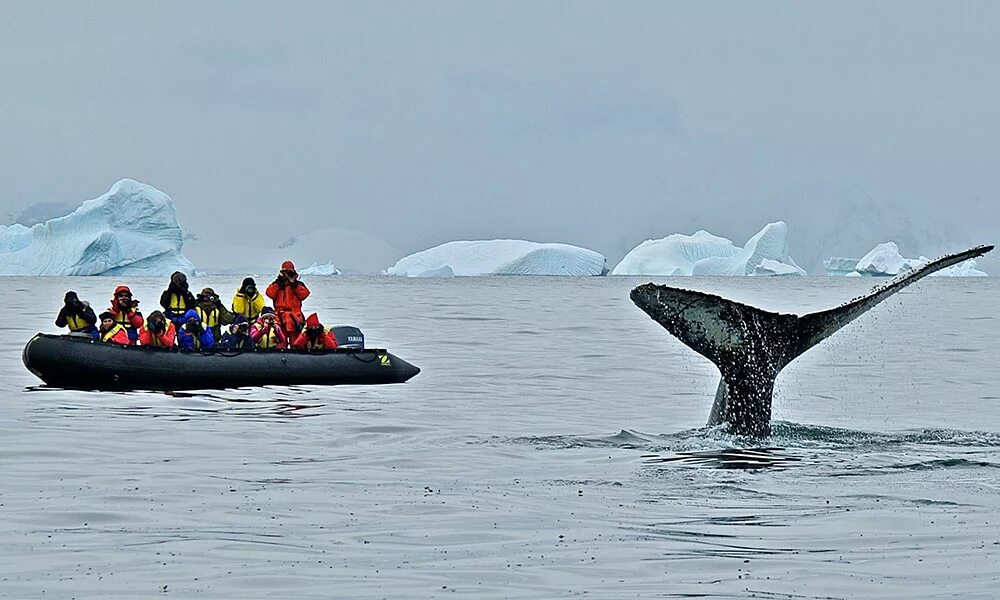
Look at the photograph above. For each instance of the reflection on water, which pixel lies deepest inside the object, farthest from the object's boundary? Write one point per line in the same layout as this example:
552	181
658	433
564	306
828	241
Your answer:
553	446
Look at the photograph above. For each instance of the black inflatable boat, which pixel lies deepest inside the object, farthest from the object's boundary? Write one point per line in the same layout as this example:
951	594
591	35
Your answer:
74	362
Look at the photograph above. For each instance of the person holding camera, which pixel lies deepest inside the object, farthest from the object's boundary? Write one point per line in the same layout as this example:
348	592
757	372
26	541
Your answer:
125	312
248	302
158	331
288	292
266	333
314	336
78	316
177	298
238	336
212	313
192	335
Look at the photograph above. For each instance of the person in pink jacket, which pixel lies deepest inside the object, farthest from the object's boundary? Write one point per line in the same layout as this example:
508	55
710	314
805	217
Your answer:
266	334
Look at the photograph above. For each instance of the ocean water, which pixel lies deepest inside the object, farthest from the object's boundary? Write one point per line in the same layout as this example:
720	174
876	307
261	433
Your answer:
552	447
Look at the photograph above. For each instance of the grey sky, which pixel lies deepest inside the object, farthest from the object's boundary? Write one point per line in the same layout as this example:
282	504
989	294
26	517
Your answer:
598	124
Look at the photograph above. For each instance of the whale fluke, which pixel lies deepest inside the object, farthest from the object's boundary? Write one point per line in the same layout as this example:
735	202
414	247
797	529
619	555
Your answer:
750	346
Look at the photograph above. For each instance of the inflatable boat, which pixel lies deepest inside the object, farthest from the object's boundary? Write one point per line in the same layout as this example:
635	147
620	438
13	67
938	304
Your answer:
75	362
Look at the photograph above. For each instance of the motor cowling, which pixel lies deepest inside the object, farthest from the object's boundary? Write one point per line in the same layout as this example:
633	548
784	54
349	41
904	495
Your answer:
348	336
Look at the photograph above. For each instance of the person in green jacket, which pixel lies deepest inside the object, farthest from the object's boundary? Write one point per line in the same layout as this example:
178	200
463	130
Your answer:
248	302
212	313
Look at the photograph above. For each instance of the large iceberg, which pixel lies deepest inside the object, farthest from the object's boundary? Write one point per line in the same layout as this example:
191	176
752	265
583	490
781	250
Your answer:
885	260
501	257
704	254
130	230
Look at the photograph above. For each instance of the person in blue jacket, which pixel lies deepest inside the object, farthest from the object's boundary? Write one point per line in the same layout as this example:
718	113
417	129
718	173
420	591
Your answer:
192	335
238	336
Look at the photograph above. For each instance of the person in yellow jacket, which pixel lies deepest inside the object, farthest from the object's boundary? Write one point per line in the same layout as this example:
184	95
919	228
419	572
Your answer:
212	313
248	302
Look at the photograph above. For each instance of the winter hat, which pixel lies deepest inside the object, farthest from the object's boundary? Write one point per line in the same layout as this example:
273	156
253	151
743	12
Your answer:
207	292
107	315
247	283
240	320
122	288
267	310
313	320
71	297
288	266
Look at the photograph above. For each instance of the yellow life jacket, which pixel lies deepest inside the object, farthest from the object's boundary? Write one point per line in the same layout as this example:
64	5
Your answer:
76	323
209	318
177	303
106	337
248	307
122	319
269	340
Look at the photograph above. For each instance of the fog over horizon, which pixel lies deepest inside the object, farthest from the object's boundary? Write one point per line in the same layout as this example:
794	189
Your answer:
594	124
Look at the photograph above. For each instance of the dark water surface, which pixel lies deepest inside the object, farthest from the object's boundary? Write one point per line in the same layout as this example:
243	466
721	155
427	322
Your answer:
552	447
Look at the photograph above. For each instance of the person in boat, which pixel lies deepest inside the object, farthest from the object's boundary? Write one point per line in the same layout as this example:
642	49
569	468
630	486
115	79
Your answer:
177	299
192	335
266	333
125	312
158	332
238	336
212	313
314	336
248	301
77	315
288	292
111	331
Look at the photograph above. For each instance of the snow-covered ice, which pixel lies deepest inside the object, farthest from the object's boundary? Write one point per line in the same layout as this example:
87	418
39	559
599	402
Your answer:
501	257
885	260
704	254
318	269
130	230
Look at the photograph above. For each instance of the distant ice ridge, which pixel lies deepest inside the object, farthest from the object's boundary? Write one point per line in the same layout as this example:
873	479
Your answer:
130	230
501	257
318	269
885	260
704	254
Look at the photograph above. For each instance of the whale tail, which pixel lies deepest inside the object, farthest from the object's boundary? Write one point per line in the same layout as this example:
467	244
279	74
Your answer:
750	346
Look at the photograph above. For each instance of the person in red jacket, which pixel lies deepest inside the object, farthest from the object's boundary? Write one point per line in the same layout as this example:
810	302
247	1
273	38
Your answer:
125	311
315	336
288	292
158	331
111	331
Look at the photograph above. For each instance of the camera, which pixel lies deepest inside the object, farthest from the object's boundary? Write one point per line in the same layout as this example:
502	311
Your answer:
158	326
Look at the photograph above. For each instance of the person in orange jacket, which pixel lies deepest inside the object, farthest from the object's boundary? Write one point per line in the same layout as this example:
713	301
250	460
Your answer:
315	336
125	311
288	292
158	331
111	331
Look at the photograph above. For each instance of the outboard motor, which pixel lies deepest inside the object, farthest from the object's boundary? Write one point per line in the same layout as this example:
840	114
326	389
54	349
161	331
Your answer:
348	336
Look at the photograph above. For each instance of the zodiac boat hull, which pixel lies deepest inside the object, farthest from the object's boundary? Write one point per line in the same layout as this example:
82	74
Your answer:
74	362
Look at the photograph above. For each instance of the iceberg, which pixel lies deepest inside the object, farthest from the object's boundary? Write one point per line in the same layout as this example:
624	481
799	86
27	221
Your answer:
131	230
318	269
704	254
839	266
501	257
885	260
